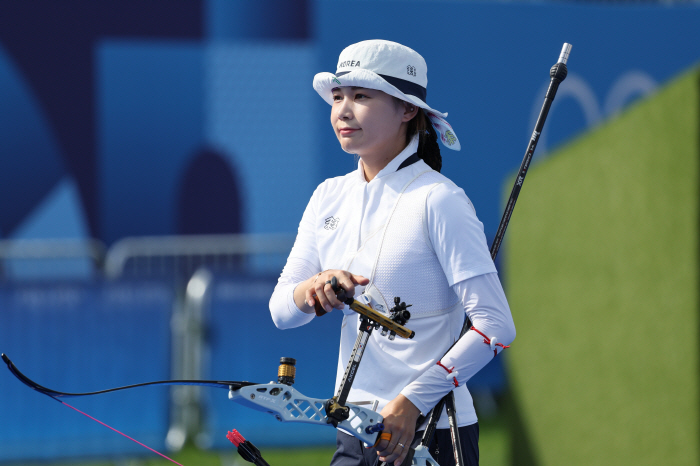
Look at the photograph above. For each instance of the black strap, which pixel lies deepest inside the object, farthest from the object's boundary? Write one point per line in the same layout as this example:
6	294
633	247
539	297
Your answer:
405	86
409	161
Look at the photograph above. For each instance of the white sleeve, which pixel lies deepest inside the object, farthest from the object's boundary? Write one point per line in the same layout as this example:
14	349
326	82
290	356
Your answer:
486	306
285	313
302	263
456	234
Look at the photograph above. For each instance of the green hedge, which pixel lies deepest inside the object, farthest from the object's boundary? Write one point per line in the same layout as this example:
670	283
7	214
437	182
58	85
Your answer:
601	271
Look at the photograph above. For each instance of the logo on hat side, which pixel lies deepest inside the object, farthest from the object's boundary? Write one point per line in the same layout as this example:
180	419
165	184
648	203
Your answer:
411	70
449	138
349	63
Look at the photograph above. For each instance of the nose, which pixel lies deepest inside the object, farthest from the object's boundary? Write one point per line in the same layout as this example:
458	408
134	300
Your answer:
343	109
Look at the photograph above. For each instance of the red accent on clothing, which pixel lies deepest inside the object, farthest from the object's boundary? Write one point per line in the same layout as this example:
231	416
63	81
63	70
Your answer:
449	371
487	340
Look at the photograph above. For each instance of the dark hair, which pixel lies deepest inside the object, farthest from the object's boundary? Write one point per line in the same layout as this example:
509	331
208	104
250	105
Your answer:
428	148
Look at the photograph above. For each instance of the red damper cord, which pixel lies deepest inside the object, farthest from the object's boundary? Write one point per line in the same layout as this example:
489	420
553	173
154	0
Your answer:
488	341
449	373
452	373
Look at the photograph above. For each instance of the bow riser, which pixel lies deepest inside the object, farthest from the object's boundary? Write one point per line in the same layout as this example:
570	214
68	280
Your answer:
288	405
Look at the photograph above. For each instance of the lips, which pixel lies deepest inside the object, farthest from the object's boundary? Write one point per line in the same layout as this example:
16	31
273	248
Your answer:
347	131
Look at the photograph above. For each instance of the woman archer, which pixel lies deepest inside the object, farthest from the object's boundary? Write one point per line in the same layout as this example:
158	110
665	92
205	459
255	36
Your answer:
396	227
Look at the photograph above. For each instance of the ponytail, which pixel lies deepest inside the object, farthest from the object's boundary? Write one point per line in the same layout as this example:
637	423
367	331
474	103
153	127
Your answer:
428	148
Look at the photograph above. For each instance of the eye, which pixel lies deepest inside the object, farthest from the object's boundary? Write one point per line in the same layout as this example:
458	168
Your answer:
360	96
337	97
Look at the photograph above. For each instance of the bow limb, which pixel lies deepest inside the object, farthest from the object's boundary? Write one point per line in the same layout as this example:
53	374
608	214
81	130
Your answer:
283	401
228	385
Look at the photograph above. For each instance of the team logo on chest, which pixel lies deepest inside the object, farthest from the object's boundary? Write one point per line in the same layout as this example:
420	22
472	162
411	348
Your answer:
331	223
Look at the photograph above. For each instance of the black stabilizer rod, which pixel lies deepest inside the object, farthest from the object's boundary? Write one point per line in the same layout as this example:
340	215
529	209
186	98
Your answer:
557	74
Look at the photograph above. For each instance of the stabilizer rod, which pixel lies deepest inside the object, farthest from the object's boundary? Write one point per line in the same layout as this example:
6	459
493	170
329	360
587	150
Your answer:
557	74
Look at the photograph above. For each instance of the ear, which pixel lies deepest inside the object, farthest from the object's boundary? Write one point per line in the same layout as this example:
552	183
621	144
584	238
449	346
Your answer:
410	111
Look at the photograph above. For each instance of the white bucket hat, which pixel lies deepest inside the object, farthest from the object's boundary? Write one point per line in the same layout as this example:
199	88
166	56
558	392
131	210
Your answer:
391	68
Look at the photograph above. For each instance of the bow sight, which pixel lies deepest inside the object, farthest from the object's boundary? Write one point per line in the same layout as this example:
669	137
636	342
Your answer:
369	320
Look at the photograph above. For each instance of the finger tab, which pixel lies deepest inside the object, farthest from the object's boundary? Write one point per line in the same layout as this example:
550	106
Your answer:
383	436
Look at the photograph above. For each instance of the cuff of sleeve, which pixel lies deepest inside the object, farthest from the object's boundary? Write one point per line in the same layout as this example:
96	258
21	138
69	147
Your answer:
428	389
474	272
293	316
292	306
417	402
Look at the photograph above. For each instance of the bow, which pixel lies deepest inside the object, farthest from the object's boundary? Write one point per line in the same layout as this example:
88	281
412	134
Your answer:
229	385
279	399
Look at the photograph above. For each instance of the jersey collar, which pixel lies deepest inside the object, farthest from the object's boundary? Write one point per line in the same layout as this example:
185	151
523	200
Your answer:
405	158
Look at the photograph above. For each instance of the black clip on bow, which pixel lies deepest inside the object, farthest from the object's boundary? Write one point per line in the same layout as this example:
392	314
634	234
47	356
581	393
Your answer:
399	314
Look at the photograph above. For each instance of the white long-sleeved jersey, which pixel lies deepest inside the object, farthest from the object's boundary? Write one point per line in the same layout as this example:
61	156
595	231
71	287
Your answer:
415	235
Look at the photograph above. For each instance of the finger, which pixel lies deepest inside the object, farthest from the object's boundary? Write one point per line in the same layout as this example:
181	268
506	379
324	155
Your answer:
330	294
387	452
348	286
348	282
382	439
395	452
359	279
390	448
309	296
322	296
404	452
312	291
398	454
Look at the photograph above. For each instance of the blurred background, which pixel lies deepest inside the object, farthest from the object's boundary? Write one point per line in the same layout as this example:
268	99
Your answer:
156	157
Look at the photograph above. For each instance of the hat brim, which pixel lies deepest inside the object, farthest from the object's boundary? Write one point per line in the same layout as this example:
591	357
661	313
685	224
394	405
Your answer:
324	83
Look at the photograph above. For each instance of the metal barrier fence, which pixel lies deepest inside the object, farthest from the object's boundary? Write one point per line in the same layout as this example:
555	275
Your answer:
51	258
184	255
148	256
59	326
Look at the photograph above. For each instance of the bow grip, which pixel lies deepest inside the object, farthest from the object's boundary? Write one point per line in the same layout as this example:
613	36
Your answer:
339	293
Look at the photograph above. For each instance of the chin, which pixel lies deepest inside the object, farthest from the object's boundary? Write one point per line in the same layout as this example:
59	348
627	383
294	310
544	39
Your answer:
348	148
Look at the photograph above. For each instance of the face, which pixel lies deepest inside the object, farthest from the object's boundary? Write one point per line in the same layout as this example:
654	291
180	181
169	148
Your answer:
369	123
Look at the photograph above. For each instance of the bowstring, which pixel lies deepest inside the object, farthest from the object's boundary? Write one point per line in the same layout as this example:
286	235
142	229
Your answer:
115	430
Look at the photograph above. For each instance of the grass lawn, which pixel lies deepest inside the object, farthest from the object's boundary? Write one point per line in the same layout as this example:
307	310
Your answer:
493	445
